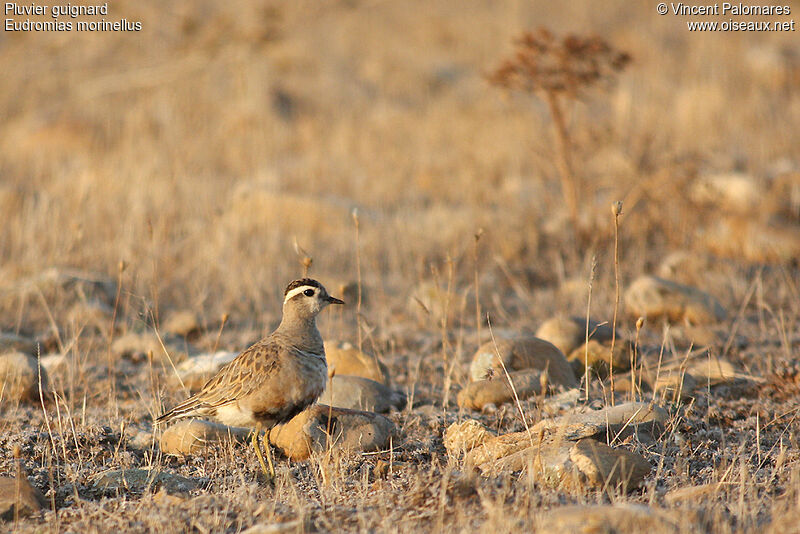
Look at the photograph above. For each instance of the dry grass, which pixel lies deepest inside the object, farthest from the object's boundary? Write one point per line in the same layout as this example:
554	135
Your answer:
201	150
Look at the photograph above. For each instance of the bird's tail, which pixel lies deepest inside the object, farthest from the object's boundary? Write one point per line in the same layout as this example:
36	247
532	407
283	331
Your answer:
187	408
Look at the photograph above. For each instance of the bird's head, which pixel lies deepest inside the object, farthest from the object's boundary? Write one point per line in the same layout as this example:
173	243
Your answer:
305	298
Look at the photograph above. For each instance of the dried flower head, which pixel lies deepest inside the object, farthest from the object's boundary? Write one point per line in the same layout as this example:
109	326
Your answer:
543	62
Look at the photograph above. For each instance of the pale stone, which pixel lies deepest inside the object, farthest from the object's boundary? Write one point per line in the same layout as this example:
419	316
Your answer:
462	437
19	377
139	480
358	393
320	426
195	371
498	390
604	466
653	297
192	436
181	323
674	385
521	353
568	333
14	343
611	421
692	493
345	359
19	494
598	357
623	518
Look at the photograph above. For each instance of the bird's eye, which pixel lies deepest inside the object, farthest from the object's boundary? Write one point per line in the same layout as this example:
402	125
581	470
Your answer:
308	292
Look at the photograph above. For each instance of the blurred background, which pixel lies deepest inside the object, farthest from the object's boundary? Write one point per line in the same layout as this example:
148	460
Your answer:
215	149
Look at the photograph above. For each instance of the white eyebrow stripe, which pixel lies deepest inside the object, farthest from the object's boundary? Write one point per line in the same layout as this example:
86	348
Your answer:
297	291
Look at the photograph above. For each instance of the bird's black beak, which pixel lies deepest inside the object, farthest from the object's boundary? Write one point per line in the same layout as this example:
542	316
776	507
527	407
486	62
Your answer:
334	300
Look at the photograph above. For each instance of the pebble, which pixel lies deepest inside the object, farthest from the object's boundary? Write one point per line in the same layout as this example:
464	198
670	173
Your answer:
462	437
569	333
519	353
14	343
193	436
136	346
611	421
573	466
625	518
350	430
345	359
183	323
138	480
195	371
476	395
19	493
652	297
599	356
358	393
19	377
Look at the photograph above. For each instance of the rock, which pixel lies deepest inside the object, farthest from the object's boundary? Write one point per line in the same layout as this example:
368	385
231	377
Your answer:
192	436
674	385
598	357
714	370
752	240
139	480
13	343
358	393
568	333
136	347
521	353
701	335
460	438
497	447
19	494
574	466
611	421
183	323
96	314
19	377
140	440
627	383
295	525
53	363
547	462
350	430
195	371
384	468
692	493
653	297
348	292
732	192
80	285
685	267
604	466
561	402
345	359
623	518
478	394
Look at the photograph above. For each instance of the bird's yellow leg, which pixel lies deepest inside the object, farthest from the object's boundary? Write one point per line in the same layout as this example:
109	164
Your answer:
269	453
256	433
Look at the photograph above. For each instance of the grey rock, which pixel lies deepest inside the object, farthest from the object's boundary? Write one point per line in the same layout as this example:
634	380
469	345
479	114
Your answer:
358	393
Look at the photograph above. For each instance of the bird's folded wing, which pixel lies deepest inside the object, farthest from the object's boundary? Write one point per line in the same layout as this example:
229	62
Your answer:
242	376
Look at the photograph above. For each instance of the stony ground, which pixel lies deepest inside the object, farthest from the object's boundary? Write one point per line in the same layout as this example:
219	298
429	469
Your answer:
725	459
